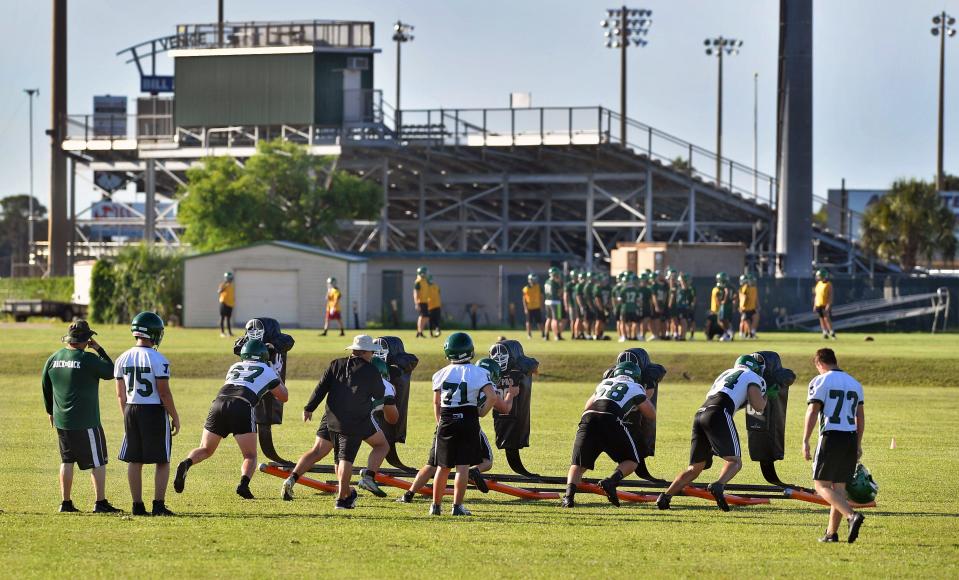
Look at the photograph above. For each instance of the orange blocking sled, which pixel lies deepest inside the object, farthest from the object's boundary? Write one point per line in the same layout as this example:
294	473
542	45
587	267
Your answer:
623	495
814	498
520	492
320	485
403	484
730	499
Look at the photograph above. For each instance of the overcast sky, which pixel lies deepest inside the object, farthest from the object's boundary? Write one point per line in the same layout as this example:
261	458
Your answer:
875	88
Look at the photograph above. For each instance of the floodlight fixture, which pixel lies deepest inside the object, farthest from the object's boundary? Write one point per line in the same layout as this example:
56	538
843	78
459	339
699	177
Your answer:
944	28
720	46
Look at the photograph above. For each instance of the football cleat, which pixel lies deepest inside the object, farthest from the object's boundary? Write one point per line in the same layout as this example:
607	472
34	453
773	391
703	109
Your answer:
662	502
67	507
717	490
407	497
351	499
568	502
160	509
366	483
828	538
139	510
477	478
609	486
104	507
180	480
436	510
244	491
287	490
460	510
855	522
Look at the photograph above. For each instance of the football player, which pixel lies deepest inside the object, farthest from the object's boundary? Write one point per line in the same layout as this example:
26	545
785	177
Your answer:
456	394
647	306
421	296
428	471
569	301
601	430
232	413
333	311
714	432
680	305
434	305
533	306
226	296
150	419
720	305
583	291
822	303
836	399
554	294
629	303
690	294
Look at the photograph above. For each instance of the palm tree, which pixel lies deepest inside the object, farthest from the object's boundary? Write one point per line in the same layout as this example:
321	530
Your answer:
909	223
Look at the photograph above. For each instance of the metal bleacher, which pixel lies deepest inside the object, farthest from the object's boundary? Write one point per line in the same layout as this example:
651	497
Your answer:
877	311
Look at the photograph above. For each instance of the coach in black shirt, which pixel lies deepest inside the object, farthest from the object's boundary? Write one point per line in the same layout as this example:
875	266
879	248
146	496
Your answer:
350	385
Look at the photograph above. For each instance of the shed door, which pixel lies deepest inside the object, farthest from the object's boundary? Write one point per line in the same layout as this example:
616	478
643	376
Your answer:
267	293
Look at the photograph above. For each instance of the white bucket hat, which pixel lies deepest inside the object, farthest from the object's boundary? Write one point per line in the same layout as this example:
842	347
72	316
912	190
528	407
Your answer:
363	342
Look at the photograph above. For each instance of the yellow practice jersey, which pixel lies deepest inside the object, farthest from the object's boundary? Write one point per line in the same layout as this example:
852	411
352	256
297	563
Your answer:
823	293
333	299
715	299
422	289
433	297
227	294
748	297
533	297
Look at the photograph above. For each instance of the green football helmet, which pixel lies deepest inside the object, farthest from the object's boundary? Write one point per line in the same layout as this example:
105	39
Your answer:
822	274
722	278
149	326
458	347
331	281
630	370
380	365
228	276
532	278
554	271
754	362
422	271
493	367
255	349
862	488
743	278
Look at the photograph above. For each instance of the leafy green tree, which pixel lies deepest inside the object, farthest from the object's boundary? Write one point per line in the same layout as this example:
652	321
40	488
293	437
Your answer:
138	278
909	223
821	217
280	193
14	220
681	165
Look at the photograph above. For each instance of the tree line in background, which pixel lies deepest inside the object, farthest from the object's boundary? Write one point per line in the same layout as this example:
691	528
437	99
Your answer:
910	223
14	224
138	278
280	193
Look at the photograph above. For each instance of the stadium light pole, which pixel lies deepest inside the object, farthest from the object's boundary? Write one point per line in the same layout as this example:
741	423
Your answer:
719	46
944	26
402	32
32	94
756	135
625	27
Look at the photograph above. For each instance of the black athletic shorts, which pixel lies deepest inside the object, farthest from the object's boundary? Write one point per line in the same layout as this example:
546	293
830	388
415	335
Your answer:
836	456
534	316
457	438
146	434
602	433
230	416
85	447
726	312
435	317
662	314
714	433
821	311
346	446
629	317
588	314
487	449
749	313
225	311
424	308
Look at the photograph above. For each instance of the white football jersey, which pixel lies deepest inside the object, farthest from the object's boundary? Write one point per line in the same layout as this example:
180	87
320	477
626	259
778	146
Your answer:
734	383
140	367
620	391
840	396
254	377
460	384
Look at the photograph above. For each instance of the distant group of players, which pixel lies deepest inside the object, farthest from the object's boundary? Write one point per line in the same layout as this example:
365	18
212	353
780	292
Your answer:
650	305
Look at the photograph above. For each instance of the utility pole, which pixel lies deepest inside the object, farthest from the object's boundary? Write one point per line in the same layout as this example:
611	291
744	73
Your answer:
31	95
58	225
625	26
717	46
219	23
944	26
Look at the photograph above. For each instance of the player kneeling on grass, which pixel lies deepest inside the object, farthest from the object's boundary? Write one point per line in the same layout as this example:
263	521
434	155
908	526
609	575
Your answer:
427	472
457	388
150	419
837	400
232	413
601	430
714	432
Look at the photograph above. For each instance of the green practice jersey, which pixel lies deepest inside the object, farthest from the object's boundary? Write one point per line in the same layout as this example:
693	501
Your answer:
629	299
71	387
552	290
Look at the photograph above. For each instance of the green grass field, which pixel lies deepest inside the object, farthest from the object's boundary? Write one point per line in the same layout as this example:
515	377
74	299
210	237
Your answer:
913	532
